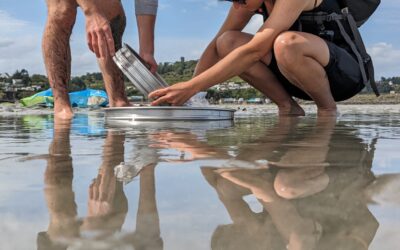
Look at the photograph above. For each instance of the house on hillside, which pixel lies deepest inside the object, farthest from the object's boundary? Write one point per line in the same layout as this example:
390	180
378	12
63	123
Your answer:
4	76
18	83
255	101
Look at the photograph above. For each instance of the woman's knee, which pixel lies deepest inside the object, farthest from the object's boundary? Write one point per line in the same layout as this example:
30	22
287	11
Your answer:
227	42
288	48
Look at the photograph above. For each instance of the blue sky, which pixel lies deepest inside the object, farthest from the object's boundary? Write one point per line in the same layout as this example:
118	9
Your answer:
184	27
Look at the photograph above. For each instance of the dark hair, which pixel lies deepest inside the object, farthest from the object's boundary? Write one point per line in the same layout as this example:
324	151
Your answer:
238	1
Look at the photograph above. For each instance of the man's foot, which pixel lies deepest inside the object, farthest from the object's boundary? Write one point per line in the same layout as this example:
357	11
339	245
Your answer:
121	104
63	113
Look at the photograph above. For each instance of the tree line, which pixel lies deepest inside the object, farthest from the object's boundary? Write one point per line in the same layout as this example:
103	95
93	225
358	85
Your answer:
172	73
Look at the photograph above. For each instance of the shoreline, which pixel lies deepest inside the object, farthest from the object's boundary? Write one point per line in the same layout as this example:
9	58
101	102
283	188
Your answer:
243	110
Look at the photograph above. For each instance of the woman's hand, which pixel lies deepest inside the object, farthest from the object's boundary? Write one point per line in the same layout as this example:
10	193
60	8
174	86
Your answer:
176	95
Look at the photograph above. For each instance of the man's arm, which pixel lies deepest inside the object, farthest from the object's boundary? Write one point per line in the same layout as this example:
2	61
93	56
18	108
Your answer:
146	11
98	30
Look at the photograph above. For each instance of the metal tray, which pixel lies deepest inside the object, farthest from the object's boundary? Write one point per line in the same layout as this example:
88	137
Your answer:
133	66
169	113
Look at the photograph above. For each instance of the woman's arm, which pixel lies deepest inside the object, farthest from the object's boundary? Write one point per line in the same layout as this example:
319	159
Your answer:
284	14
237	19
282	17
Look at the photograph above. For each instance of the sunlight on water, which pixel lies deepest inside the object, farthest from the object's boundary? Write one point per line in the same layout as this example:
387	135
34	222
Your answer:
257	183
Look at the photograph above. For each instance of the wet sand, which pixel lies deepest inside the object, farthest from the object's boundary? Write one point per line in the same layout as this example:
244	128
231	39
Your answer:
242	110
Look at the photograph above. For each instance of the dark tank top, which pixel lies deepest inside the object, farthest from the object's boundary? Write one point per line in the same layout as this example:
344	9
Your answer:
326	6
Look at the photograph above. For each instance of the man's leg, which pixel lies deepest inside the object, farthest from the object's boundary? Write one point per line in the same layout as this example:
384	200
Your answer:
112	75
56	52
301	58
259	76
113	11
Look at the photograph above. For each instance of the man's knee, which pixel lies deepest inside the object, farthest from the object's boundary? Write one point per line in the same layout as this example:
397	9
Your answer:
62	14
287	48
227	42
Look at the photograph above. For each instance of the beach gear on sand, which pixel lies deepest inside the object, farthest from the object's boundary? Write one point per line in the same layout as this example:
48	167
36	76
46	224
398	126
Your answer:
81	99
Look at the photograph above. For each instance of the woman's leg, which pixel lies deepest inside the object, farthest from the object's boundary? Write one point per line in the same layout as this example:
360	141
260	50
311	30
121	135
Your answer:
301	58
259	76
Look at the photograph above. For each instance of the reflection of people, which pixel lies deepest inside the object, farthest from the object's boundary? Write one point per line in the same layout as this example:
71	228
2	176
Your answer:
187	143
147	234
107	205
105	24
314	203
281	59
58	191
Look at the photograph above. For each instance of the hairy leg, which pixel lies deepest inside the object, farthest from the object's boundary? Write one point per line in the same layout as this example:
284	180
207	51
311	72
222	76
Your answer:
301	58
58	178
112	76
259	76
57	53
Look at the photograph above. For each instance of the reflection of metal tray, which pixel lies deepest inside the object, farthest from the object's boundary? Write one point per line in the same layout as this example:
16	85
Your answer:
191	125
169	113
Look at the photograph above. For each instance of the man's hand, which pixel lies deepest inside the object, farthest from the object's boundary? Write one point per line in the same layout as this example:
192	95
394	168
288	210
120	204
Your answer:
176	95
99	36
151	62
101	194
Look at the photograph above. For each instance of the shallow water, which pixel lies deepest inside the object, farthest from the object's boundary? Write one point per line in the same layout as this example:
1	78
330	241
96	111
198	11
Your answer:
257	183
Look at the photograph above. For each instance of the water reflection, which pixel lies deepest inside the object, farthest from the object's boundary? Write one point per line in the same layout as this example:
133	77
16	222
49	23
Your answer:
310	184
107	205
312	195
58	191
312	179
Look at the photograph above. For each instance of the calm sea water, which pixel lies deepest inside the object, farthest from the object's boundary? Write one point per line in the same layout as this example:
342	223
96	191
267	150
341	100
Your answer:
257	183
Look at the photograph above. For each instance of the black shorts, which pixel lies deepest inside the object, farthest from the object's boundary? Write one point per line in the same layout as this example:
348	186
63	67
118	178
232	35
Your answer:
343	73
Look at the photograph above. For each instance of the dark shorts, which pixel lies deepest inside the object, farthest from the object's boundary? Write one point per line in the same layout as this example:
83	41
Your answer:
343	73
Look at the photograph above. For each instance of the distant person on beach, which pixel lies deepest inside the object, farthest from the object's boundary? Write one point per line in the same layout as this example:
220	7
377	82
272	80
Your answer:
288	57
105	25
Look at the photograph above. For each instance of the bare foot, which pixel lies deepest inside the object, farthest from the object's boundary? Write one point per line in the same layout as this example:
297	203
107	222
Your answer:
122	103
293	109
327	112
64	113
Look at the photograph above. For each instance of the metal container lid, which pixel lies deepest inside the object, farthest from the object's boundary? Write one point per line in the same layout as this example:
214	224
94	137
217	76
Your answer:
133	66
